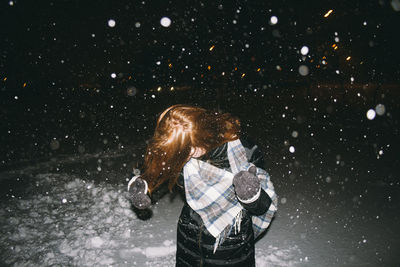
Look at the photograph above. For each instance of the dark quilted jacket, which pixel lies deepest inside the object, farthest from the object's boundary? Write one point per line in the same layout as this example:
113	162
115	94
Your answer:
195	244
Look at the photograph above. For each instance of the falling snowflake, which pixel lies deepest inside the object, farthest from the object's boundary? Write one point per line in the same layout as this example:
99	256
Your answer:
371	114
304	50
273	20
111	23
165	22
303	70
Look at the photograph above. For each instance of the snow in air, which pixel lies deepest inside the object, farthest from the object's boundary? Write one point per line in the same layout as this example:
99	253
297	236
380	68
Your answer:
380	109
273	20
371	114
111	23
395	5
303	70
113	75
291	149
165	21
304	50
131	91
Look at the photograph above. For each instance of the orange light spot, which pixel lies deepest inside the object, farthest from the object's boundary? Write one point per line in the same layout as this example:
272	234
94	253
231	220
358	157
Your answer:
328	13
5	79
348	58
24	85
243	74
258	69
212	48
209	67
170	65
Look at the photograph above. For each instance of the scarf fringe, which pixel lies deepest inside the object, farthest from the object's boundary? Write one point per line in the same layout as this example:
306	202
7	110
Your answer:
228	229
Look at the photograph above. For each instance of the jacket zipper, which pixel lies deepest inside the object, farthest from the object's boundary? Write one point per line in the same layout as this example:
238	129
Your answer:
199	243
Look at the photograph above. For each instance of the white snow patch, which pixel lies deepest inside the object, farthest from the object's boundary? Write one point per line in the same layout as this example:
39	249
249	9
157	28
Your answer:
274	256
42	230
163	251
96	242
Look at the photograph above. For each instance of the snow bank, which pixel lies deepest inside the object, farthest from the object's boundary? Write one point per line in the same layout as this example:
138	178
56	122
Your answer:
71	221
275	256
64	219
68	221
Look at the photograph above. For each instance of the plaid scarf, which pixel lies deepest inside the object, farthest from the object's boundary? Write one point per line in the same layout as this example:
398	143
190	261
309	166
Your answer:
209	192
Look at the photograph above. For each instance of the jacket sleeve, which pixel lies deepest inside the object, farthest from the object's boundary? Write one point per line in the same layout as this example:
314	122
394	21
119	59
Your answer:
255	156
259	206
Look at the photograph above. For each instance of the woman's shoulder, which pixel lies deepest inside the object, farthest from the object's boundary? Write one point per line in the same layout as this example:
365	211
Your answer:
247	141
253	151
219	156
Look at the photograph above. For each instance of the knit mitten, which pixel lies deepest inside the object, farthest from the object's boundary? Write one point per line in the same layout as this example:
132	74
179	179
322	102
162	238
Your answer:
138	191
247	185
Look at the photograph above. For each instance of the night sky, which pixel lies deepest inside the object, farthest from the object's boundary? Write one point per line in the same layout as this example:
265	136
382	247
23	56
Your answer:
70	67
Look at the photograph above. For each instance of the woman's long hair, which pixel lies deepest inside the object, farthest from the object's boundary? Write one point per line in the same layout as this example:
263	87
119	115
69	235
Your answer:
179	129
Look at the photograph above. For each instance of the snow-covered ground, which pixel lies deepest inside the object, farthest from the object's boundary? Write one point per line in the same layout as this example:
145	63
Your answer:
69	220
73	211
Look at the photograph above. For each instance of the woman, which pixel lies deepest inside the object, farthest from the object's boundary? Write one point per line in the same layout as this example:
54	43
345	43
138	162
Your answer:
228	201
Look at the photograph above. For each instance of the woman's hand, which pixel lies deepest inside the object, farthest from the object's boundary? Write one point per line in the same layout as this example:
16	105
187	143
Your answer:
247	185
138	189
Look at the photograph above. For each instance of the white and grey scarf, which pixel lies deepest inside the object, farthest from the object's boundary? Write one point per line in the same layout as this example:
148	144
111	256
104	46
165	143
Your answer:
210	193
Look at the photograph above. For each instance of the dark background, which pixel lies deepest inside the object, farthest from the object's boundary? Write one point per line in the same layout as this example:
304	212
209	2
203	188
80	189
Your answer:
57	95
